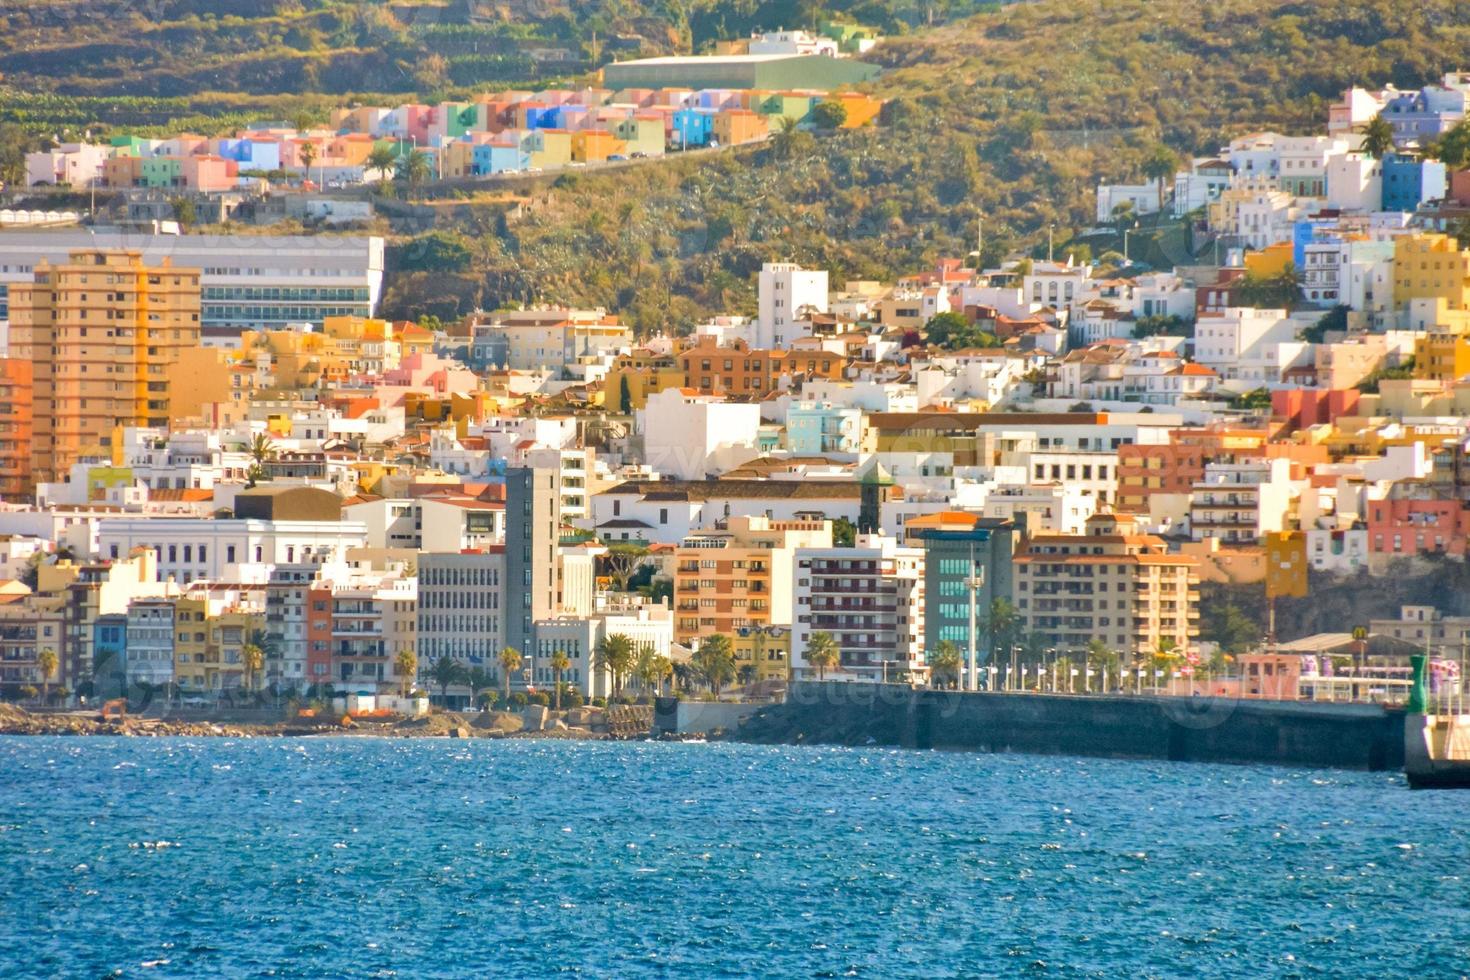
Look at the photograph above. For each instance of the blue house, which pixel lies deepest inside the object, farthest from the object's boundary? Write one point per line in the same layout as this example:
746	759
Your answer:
1409	182
1307	231
693	127
543	117
818	429
497	158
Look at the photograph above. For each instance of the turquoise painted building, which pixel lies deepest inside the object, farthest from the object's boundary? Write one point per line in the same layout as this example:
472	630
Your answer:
822	429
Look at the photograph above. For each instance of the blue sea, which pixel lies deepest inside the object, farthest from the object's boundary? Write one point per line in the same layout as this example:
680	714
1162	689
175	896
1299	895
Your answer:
356	857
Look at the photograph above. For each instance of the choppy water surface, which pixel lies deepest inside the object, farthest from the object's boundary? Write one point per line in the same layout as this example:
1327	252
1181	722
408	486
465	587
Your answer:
360	857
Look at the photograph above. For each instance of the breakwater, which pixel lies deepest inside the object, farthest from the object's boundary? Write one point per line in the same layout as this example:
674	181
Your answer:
1346	736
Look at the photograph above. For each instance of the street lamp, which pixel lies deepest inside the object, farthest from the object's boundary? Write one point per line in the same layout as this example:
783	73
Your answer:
974	583
1126	232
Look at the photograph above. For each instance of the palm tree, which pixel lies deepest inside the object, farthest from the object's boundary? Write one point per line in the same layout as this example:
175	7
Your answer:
407	665
413	168
559	665
261	449
446	671
715	661
945	663
478	679
381	159
615	654
822	653
1377	137
252	659
308	157
47	662
1000	625
786	137
1160	165
510	662
652	668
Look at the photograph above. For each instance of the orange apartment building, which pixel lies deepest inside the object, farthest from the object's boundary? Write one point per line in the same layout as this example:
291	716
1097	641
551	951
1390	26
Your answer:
1144	470
740	576
1110	584
102	334
738	370
15	429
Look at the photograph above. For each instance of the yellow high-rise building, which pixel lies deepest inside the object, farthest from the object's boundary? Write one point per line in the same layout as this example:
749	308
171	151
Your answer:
103	333
1430	266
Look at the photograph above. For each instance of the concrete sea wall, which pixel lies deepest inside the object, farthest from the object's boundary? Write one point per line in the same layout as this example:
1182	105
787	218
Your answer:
1180	729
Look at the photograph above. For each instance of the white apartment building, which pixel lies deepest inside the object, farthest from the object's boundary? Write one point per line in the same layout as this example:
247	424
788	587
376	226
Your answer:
1042	508
286	596
1341	551
236	550
987	378
1055	284
868	395
792	42
689	436
460	607
1094	472
579	476
1223	340
1201	185
870	598
1140	199
374	618
578	637
1354	182
1303	163
150	650
77	164
1236	503
786	294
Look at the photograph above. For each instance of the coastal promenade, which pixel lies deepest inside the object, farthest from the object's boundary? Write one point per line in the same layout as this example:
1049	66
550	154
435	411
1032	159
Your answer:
1182	729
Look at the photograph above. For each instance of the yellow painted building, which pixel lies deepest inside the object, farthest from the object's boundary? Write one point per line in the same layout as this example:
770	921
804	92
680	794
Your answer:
1269	262
210	388
595	146
209	639
550	148
861	109
645	373
1441	356
191	644
641	134
1430	266
763	653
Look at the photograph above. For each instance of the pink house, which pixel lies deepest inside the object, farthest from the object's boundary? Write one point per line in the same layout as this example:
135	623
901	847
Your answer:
208	173
1303	407
1412	522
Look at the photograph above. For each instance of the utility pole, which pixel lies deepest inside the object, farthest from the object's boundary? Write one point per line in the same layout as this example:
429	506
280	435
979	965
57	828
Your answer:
1049	230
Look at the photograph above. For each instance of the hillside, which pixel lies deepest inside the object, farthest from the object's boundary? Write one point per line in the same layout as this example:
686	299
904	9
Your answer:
1014	115
177	49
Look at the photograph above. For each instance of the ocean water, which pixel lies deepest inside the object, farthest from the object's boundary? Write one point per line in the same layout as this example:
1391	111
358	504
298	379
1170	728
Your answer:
355	857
